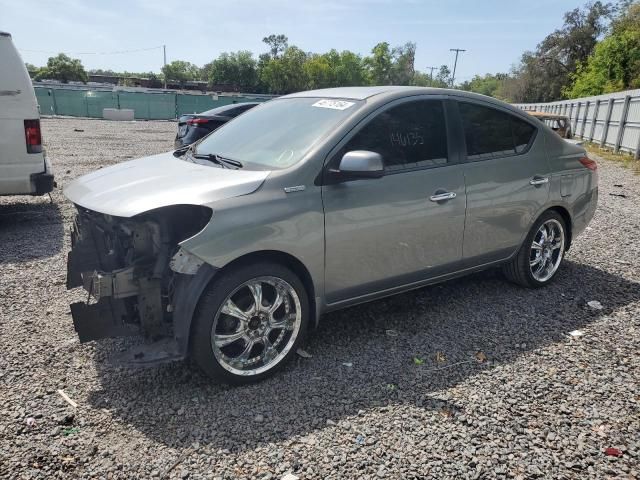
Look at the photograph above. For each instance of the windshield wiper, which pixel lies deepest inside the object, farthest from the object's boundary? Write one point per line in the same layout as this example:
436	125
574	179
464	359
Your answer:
182	150
220	160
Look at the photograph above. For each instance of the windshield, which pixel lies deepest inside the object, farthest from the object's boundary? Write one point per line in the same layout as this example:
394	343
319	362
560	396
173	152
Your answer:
277	134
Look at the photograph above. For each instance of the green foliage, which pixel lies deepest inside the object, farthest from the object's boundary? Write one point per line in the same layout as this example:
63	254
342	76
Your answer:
294	70
239	69
285	73
402	67
127	79
99	71
443	79
334	69
597	50
32	69
349	69
181	71
490	85
379	64
421	79
64	69
320	71
285	69
391	66
615	62
543	75
277	44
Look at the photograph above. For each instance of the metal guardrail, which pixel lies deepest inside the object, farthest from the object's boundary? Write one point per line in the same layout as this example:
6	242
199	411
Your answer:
611	120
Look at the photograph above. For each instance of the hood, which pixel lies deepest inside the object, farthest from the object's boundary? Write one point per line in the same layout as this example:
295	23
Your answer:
137	186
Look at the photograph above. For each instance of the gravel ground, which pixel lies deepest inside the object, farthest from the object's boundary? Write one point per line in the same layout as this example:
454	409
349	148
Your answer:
543	404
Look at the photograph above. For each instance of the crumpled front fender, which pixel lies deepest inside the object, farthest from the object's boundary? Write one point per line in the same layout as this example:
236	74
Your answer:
189	289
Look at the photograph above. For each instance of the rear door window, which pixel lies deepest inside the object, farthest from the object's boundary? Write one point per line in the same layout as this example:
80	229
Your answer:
491	133
410	135
523	134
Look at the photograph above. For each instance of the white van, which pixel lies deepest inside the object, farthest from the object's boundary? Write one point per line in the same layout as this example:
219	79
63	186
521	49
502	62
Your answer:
24	168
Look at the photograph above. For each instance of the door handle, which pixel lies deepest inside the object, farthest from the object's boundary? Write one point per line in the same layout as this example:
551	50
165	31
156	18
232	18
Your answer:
439	197
539	180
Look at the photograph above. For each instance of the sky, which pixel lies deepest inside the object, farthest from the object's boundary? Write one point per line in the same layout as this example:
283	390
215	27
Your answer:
494	32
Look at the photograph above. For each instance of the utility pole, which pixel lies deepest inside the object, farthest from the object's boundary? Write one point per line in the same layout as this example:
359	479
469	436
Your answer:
431	74
164	51
455	63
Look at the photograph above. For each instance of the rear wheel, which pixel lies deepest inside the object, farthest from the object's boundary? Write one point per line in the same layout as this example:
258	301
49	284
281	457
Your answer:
539	258
249	323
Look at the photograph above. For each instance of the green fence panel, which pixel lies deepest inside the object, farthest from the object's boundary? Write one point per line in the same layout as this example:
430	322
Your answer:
44	96
97	100
137	102
194	103
199	103
149	106
70	102
162	106
146	105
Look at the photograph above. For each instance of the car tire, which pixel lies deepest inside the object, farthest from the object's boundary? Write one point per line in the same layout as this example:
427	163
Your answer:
539	258
234	342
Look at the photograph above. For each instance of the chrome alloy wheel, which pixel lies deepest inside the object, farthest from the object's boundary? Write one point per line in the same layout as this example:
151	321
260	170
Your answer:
256	326
547	250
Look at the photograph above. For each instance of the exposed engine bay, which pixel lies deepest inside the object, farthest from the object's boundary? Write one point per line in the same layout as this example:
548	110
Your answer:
134	272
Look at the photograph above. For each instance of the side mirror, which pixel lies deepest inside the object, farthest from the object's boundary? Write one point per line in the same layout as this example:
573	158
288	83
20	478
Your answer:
359	164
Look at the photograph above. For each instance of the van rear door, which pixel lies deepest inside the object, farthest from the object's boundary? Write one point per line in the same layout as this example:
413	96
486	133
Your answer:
21	154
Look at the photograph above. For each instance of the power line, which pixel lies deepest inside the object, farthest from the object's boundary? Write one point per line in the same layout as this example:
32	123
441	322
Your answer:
455	63
119	52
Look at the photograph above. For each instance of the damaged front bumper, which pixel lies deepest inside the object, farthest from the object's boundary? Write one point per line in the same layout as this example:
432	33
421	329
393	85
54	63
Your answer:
137	280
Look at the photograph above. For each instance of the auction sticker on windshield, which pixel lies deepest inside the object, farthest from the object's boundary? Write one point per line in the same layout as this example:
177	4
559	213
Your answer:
334	104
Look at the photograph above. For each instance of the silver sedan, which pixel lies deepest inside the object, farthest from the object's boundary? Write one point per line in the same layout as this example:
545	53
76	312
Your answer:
230	250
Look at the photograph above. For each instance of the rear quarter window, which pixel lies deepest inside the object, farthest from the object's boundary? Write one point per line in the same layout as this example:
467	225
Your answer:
491	133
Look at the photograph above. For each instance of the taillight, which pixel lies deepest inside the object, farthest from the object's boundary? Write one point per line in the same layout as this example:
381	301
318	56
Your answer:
33	136
197	121
590	164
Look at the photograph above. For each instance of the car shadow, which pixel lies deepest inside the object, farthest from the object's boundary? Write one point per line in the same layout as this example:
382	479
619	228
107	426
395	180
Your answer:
30	231
176	405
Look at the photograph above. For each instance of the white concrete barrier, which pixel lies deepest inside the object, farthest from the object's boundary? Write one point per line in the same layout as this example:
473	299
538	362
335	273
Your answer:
117	114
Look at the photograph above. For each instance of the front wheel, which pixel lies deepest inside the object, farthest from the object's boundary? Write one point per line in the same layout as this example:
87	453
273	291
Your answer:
539	258
249	322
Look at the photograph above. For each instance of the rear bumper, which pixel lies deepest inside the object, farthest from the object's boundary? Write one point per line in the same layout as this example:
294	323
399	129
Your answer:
43	182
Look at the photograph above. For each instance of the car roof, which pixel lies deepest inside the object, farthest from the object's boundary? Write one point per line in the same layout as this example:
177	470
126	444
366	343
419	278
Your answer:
364	93
381	94
355	93
546	115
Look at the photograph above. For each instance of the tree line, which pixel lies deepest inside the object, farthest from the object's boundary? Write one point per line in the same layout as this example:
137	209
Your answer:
597	50
282	69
